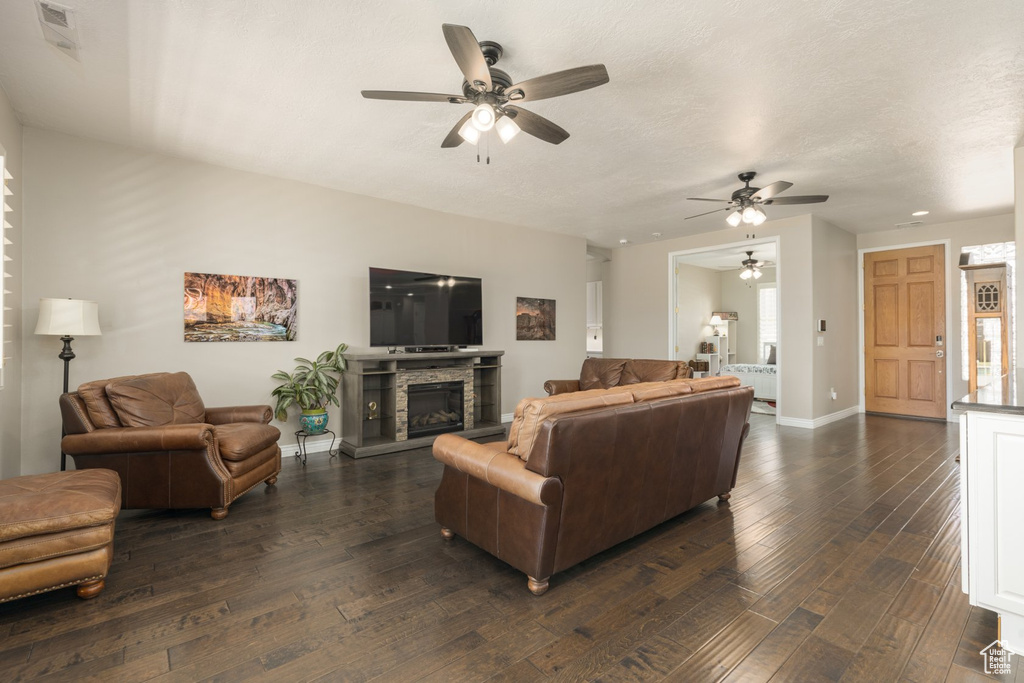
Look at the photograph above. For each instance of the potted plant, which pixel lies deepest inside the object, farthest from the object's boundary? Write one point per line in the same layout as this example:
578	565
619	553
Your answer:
311	386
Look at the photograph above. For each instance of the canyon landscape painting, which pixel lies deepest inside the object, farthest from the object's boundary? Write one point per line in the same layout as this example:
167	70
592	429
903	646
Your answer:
535	319
239	308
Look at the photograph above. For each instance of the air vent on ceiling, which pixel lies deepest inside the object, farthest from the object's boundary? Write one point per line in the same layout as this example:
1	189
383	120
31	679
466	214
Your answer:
909	224
54	15
58	24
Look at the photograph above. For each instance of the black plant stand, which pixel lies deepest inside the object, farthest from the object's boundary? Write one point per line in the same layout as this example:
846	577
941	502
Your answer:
300	443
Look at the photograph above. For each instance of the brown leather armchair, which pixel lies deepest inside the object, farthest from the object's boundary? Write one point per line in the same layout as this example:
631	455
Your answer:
169	450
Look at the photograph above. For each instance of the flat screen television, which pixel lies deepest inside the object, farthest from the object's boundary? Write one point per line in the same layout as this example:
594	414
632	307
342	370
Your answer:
424	309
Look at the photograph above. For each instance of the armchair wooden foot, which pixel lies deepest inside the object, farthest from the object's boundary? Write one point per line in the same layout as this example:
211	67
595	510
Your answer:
724	497
271	481
447	534
537	586
90	589
219	513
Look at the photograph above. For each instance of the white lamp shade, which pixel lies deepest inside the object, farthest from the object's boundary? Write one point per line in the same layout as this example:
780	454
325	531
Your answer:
734	218
759	217
716	320
483	117
507	129
469	132
68	318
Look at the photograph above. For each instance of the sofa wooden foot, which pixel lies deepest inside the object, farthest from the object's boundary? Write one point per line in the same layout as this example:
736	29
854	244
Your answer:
271	481
537	586
724	497
219	513
90	589
447	534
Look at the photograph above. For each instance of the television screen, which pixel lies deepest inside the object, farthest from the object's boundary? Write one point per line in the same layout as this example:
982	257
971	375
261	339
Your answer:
424	309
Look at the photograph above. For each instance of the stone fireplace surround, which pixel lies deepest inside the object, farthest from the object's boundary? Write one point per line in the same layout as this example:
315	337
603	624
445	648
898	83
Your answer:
404	378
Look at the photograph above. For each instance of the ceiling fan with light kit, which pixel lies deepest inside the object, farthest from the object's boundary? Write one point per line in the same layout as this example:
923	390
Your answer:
747	202
495	96
750	267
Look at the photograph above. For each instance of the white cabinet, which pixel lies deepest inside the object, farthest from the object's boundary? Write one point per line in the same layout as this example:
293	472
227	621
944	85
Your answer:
594	304
992	516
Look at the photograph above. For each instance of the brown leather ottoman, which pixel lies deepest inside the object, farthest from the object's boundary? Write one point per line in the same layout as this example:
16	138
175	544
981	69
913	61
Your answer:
57	530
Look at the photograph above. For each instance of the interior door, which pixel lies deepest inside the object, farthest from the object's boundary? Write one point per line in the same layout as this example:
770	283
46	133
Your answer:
905	331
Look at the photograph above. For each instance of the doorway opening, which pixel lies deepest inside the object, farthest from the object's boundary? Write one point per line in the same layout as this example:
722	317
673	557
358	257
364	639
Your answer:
724	315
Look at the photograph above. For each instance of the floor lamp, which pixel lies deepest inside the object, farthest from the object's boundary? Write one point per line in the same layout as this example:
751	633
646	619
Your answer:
67	318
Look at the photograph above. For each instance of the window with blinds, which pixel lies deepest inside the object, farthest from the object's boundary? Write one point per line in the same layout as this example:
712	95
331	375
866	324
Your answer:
767	323
5	310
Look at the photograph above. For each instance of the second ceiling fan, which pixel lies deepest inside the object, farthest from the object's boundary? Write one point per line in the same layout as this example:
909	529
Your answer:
747	201
494	94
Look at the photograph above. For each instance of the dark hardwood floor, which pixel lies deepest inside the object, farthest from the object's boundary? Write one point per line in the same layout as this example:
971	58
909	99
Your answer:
836	559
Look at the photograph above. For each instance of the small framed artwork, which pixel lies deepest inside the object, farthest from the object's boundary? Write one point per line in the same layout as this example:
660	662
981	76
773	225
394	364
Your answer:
535	319
239	308
726	315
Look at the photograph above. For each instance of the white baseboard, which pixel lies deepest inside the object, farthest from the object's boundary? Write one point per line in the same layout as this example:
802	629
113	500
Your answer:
803	423
507	417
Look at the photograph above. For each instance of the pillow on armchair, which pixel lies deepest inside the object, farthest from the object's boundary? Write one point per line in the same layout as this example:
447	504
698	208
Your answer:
157	400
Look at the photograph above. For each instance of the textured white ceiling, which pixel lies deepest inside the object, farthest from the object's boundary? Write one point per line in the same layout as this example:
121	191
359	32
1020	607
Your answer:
889	107
730	258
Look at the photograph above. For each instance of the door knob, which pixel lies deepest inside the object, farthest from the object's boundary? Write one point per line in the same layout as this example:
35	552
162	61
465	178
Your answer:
939	354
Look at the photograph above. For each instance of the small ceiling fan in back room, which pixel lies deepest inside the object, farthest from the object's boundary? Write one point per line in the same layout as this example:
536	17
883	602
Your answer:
747	202
495	96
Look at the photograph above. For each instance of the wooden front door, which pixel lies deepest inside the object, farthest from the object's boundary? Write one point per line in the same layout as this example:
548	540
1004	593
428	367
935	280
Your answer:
905	331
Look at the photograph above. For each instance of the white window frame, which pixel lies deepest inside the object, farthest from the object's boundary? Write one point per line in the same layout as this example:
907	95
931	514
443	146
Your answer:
761	343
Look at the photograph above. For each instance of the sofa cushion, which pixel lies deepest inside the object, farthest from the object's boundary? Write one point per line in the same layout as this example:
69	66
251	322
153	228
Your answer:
531	412
601	373
240	440
156	400
637	371
710	383
652	391
40	504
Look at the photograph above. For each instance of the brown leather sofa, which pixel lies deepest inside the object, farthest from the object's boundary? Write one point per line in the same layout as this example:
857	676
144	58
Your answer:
605	373
57	530
169	449
582	472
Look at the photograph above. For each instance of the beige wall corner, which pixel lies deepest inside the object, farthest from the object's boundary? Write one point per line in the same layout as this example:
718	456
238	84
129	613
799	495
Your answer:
835	301
1018	220
10	394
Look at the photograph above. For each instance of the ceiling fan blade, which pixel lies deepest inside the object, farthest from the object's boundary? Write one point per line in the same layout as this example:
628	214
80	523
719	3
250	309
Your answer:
538	126
771	190
453	139
412	96
706	213
466	50
703	199
805	199
559	83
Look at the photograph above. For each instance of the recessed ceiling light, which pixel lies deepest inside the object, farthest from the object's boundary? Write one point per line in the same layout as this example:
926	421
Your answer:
655	235
623	241
919	213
